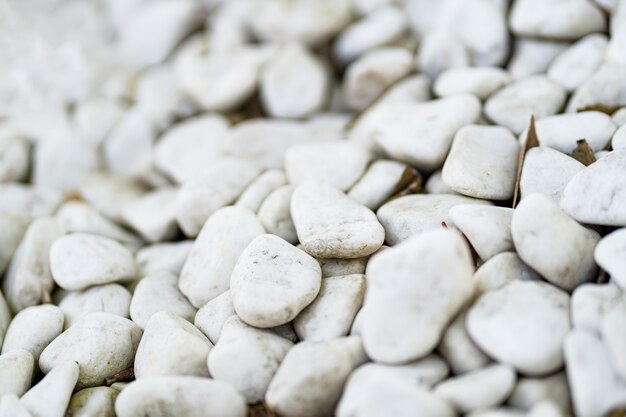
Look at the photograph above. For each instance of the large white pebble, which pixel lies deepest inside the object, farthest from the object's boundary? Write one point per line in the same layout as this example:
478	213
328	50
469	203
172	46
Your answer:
458	349
610	254
273	281
16	372
108	298
79	260
522	324
487	228
92	402
33	329
577	63
211	317
51	396
153	215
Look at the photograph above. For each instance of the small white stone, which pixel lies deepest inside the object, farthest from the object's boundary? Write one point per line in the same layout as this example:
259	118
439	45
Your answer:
479	81
487	228
51	396
610	255
23	199
91	402
153	215
590	303
458	349
538	227
597	194
10	406
275	214
13	227
108	298
415	214
533	56
478	389
331	225
159	292
440	51
613	335
607	86
247	358
531	391
170	345
331	314
339	164
619	117
110	193
219	186
380	181
102	344
395	329
619	138
294	83
16	372
180	396
158	96
577	63
435	185
15	158
32	329
273	281
336	267
547	171
522	324
211	317
259	189
207	270
500	270
168	257
556	18
310	379
94	117
79	260
513	105
617	28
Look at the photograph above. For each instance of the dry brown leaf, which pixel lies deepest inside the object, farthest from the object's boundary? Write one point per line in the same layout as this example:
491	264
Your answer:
260	410
414	187
406	179
583	153
601	108
532	141
126	375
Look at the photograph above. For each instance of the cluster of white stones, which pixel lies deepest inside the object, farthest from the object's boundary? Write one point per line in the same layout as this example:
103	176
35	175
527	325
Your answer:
313	208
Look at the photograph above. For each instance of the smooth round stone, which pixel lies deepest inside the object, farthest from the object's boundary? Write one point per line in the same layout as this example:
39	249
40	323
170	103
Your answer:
367	77
247	358
607	86
16	372
156	293
619	117
102	344
531	391
184	150
294	82
487	228
547	171
157	94
590	303
459	351
376	390
538	227
415	214
218	187
79	260
259	189
479	81
500	270
32	329
13	228
109	193
310	380
108	298
522	324
168	257
207	270
513	105
381	180
379	27
439	51
421	133
273	281
478	389
15	159
596	194
339	164
394	328
533	56
577	63
610	255
556	19
170	345
333	311
618	33
336	267
435	185
331	225
51	395
211	317
98	401
179	396
275	214
153	215
612	331
482	162
619	139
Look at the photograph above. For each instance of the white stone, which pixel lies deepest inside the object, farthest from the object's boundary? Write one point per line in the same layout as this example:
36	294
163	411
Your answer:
79	260
615	49
331	225
531	391
110	193
247	358
487	228
533	56
28	280
13	227
556	18
170	345
435	185
336	267
339	164
619	117
619	139
51	396
10	406
168	257
294	82
185	150
500	270
259	189
482	162
102	344
15	157
440	51
158	96
331	314
98	401
478	389
16	372
590	303
522	324
459	351
577	63
159	292
610	255
207	270
606	86
275	214
612	330
310	379
395	329
94	117
538	227
153	215
32	329
273	281
219	186
211	317
479	81
108	298
513	105
547	171
597	194
381	180
5	316
415	214
23	199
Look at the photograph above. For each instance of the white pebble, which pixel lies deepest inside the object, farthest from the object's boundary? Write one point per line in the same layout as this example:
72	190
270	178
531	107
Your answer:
259	189
32	329
16	372
153	215
211	317
610	255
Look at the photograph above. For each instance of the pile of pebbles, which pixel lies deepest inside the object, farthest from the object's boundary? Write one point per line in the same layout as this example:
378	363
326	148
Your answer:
303	208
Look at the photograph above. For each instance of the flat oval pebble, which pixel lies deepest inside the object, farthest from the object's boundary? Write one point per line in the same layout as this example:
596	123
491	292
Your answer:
32	329
610	255
108	298
458	349
479	81
381	180
577	63
211	317
259	189
273	281
331	225
502	269
590	303
522	324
